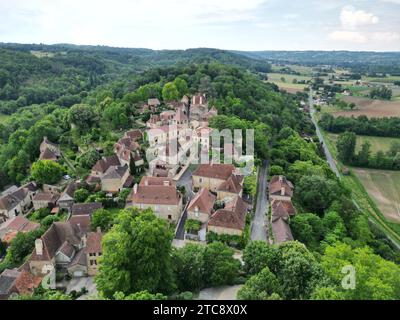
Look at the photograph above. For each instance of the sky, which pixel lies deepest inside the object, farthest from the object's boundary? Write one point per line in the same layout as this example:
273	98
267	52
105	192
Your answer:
225	24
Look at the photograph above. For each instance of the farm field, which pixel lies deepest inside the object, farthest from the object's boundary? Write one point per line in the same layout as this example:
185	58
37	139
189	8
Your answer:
384	188
377	143
370	107
288	84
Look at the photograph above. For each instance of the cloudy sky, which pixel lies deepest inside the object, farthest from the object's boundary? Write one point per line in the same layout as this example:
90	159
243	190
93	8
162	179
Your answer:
226	24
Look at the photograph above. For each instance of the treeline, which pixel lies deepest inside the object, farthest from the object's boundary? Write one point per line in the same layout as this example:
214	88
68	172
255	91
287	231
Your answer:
362	125
346	146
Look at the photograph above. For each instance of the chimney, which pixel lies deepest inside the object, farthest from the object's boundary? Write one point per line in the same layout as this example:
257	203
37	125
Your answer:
166	183
280	178
135	188
146	182
282	191
98	230
39	247
84	240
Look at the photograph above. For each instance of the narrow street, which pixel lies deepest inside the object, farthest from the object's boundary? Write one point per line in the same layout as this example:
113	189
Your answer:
259	225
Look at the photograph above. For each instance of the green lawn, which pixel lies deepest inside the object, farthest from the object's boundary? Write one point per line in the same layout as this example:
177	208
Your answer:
377	143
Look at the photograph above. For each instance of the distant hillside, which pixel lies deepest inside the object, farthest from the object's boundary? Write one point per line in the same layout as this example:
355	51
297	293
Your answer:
359	61
62	73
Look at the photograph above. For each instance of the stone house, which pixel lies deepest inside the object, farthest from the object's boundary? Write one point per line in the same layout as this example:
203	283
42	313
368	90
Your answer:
160	195
201	206
280	188
229	220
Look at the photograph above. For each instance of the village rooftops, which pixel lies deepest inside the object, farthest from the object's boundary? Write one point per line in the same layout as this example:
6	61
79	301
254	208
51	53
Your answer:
282	209
233	216
160	192
153	102
280	186
46	197
93	242
79	209
115	172
134	134
215	171
11	200
20	224
103	164
203	202
232	185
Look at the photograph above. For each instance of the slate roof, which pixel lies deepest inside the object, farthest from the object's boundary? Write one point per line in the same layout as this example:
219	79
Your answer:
85	208
104	163
7	280
93	242
115	172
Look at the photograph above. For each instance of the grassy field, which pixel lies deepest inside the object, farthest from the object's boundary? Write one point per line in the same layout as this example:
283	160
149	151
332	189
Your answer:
377	143
288	84
377	209
369	107
384	188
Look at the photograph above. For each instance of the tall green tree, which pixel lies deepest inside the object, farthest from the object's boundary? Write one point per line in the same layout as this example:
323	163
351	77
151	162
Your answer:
170	92
47	171
136	255
346	146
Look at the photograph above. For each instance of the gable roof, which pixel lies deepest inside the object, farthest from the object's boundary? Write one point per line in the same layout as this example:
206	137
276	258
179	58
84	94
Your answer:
134	134
232	184
282	209
7	280
54	237
233	216
104	163
67	249
11	200
281	231
278	184
93	242
156	181
46	196
48	154
115	172
216	171
79	209
26	282
155	192
81	222
204	201
19	223
68	193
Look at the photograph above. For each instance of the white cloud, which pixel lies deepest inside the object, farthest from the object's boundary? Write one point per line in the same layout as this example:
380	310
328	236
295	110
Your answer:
347	36
385	36
352	18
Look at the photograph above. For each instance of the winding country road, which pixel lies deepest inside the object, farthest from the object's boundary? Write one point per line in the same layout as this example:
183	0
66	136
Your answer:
259	225
328	154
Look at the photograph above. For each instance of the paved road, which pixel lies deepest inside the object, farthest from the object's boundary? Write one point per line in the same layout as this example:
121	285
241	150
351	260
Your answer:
260	223
328	154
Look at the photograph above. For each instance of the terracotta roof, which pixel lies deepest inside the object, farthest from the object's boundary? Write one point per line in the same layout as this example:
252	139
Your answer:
156	181
68	193
232	185
92	179
134	134
233	216
47	154
93	242
19	223
83	222
26	282
204	201
281	231
282	209
278	184
155	194
46	196
79	209
216	171
103	164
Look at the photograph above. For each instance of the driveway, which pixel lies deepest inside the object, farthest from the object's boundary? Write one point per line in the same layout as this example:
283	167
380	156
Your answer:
259	225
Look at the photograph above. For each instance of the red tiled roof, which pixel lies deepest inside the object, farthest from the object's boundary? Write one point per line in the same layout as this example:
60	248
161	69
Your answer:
277	183
232	185
93	242
204	201
233	216
103	164
26	282
216	171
